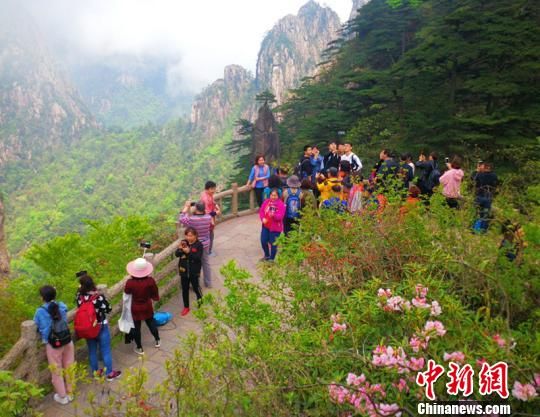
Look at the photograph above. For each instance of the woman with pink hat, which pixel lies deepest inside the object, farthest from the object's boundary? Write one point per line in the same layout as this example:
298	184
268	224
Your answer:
143	290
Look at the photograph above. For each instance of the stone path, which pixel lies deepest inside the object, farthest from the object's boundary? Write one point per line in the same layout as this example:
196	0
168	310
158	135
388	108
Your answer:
236	239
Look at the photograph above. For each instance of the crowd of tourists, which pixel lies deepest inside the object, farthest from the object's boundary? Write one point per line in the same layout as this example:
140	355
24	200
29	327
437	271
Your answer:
339	181
336	181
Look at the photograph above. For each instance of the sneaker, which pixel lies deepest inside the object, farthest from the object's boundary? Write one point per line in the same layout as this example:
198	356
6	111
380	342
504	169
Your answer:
157	345
185	311
138	351
113	375
61	400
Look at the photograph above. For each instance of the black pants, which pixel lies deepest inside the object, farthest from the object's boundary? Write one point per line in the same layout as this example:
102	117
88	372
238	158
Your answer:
259	195
185	280
288	223
151	323
452	202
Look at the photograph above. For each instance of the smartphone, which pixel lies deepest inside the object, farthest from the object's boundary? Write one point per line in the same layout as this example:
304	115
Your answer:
446	159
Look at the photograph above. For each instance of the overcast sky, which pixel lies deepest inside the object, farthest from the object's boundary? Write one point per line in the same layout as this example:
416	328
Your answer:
201	36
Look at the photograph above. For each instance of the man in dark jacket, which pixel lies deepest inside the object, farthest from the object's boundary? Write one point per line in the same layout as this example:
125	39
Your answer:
485	183
429	178
332	158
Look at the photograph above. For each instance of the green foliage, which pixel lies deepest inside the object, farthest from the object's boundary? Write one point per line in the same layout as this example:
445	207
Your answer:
15	396
459	77
265	97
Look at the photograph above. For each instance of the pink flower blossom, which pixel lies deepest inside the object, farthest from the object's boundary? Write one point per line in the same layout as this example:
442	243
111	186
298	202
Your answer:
338	393
337	327
416	344
388	410
435	327
394	303
537	380
384	292
458	357
524	392
420	302
416	364
421	291
499	340
436	309
352	379
480	362
401	385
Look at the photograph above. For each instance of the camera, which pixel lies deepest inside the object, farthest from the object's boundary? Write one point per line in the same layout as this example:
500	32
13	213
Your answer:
446	159
193	204
145	245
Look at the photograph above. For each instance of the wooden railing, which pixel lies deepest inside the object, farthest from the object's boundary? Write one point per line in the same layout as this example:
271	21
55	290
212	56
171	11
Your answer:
27	360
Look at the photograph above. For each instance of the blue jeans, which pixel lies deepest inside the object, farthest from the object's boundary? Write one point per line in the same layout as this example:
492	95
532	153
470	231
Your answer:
267	239
104	342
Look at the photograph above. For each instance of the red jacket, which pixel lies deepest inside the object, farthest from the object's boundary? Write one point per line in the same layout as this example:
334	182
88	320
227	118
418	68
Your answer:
143	291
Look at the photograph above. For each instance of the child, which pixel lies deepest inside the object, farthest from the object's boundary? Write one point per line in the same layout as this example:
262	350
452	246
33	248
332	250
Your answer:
292	198
190	252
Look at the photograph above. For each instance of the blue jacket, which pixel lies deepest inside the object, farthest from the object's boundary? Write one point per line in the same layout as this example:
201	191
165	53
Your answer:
43	319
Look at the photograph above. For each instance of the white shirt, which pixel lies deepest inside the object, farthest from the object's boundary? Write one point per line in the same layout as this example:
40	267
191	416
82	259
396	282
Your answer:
353	159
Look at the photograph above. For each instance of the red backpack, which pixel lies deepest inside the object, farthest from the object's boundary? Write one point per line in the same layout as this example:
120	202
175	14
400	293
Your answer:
85	321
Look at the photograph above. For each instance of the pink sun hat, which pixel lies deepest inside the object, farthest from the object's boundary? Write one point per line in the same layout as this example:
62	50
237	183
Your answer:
139	268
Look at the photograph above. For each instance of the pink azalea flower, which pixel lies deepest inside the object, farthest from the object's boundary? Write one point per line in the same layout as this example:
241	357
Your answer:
379	349
436	309
388	410
480	362
336	327
401	385
499	340
419	302
537	380
384	292
352	379
416	344
421	291
394	303
524	392
435	327
416	364
458	357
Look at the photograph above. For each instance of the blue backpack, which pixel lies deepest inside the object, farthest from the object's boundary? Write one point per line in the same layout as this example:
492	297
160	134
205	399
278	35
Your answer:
162	317
293	204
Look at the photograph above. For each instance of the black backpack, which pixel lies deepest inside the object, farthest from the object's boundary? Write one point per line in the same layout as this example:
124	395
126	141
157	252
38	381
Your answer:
60	334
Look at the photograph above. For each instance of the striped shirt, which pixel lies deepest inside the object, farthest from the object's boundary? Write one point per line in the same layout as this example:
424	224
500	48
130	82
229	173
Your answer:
202	223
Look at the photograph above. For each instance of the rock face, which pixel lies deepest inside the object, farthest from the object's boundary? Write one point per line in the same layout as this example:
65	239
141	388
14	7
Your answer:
39	109
265	135
292	49
213	108
357	4
4	256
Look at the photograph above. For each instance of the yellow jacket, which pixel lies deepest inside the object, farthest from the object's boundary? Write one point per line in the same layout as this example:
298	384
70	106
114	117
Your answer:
325	188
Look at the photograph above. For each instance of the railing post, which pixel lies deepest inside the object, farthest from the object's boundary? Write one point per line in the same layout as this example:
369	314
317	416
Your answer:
252	199
234	204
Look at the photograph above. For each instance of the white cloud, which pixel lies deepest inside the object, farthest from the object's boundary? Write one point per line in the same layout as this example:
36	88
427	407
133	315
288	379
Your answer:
206	34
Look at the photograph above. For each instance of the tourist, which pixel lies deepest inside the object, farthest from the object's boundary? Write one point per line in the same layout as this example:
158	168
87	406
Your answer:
143	290
344	170
51	322
325	185
258	178
332	158
283	174
485	184
190	252
341	150
308	196
429	178
406	169
271	214
352	158
304	168
451	182
316	162
88	293
202	223
292	197
274	182
211	208
412	201
513	242
388	171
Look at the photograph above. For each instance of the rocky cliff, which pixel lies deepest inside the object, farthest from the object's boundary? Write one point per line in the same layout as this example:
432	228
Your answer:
39	109
292	49
4	256
214	107
357	4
